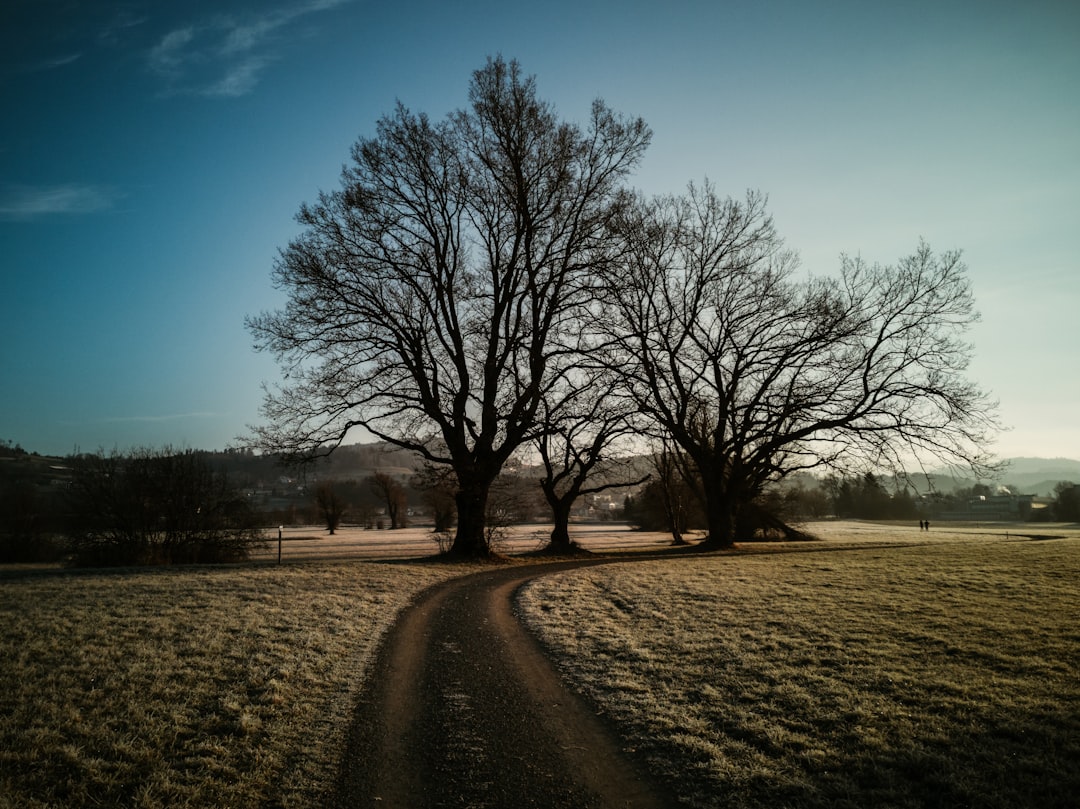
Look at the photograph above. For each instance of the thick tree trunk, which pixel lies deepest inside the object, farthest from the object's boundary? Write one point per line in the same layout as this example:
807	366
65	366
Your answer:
471	540
560	532
721	513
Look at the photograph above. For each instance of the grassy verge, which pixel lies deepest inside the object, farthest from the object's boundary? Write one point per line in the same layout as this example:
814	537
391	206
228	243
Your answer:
931	675
187	687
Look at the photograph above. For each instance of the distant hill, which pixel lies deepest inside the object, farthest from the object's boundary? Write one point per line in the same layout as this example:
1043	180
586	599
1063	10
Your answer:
1040	475
1036	476
1029	475
1057	466
1022	475
358	461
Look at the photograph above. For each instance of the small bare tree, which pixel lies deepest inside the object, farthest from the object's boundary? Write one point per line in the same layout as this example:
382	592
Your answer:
437	488
392	494
671	475
580	421
330	504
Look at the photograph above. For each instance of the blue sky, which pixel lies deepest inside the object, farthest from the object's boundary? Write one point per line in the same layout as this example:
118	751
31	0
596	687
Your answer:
153	155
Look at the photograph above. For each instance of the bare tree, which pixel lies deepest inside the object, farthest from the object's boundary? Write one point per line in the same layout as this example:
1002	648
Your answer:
579	423
427	296
755	372
330	504
437	488
674	481
1067	501
392	494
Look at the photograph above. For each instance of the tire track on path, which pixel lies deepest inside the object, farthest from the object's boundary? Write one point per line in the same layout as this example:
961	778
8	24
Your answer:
464	709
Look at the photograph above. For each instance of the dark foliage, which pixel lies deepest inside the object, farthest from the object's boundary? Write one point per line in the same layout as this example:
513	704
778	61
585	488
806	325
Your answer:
151	507
437	487
650	509
30	508
1067	502
865	498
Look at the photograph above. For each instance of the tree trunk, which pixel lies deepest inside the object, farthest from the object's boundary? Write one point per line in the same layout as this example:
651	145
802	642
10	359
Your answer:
444	517
471	541
721	513
560	532
676	518
677	537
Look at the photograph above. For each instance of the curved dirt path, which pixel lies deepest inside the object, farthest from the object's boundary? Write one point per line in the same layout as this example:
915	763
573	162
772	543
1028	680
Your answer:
463	709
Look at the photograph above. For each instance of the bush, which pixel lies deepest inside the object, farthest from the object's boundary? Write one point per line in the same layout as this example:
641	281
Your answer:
28	516
152	507
35	548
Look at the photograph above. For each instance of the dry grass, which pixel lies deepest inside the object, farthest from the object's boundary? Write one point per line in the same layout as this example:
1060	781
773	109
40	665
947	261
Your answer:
942	674
313	542
199	687
911	675
187	687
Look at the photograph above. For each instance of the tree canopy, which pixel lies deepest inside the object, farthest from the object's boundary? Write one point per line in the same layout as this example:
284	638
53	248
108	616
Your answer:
429	297
756	372
451	297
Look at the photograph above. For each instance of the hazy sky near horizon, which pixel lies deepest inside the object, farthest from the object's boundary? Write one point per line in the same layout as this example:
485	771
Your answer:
153	156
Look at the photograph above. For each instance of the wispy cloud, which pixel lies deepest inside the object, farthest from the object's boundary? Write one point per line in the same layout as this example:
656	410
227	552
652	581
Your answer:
241	78
170	56
20	202
113	32
76	40
52	63
225	56
142	419
156	419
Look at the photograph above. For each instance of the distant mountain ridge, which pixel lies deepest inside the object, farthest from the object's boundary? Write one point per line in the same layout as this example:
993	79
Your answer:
1027	466
1023	475
1040	475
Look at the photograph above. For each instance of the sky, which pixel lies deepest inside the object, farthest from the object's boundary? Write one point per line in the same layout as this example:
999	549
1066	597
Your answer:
153	156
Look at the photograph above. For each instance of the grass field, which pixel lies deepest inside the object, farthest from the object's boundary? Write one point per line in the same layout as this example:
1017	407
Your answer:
187	687
205	687
881	666
940	671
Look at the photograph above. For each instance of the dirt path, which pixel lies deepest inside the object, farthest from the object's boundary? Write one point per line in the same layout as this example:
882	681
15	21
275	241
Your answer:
464	710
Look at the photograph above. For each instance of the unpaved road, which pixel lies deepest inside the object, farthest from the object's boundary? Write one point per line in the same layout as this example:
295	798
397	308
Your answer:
463	709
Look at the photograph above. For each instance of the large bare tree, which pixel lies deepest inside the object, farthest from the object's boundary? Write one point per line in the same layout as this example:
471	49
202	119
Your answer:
427	296
756	371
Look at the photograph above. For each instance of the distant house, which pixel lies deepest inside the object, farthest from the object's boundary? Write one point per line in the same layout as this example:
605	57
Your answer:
994	508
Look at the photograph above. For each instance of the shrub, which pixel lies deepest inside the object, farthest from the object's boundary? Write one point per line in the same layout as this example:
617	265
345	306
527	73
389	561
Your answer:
156	507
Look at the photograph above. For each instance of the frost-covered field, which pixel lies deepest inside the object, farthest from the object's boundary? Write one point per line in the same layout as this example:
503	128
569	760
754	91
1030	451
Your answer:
187	687
880	667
